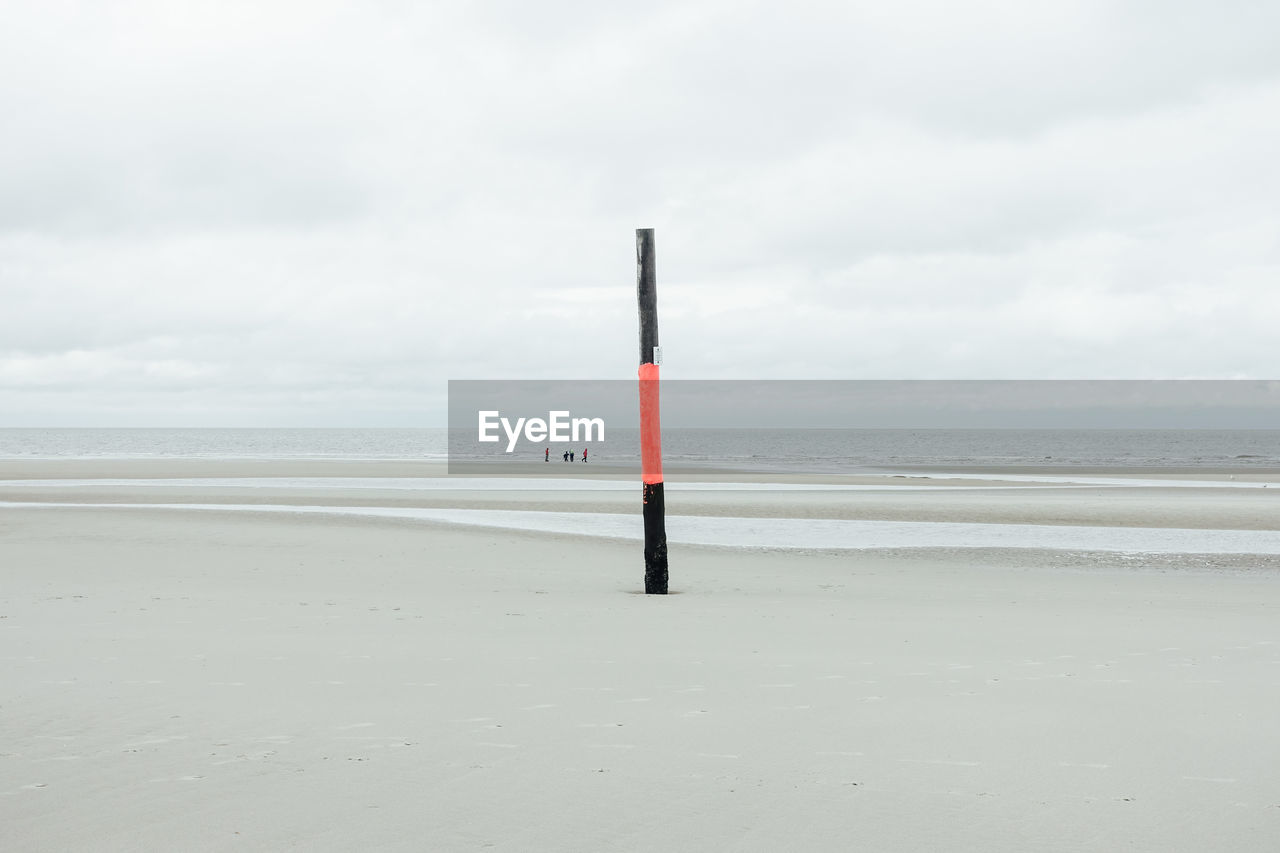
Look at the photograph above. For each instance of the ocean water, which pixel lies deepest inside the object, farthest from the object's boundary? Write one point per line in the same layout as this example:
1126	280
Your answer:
853	450
354	444
814	450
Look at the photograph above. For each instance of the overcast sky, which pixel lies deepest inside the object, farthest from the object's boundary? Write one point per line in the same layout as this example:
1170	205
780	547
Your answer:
316	213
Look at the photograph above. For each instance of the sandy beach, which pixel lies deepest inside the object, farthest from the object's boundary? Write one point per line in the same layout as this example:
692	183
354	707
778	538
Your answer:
250	677
353	357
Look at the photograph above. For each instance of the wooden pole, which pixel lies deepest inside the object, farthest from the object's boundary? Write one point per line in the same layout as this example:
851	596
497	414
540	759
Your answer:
655	525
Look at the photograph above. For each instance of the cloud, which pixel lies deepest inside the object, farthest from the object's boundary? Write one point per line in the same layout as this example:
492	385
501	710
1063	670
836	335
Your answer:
317	213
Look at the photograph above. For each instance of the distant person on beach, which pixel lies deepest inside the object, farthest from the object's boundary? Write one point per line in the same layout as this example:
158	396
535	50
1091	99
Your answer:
566	456
570	455
548	459
584	454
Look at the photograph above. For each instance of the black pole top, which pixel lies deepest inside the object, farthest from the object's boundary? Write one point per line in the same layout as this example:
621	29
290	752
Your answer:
647	293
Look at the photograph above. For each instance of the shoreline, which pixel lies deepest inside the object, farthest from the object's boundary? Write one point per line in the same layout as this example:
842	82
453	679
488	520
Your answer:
1126	498
181	467
1259	547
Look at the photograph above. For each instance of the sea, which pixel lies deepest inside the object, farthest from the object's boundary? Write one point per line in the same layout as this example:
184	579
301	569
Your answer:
765	450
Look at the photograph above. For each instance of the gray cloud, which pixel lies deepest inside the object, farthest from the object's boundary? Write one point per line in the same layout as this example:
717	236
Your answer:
316	213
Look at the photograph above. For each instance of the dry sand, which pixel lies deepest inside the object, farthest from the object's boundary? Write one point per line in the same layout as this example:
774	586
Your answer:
177	680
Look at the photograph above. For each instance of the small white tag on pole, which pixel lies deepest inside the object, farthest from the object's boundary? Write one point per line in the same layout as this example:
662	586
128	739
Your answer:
657	355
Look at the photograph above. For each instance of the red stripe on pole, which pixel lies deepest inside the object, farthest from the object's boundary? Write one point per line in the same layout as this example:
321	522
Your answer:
650	426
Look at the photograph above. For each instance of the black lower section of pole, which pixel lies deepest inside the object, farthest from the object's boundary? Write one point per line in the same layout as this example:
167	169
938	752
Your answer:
655	540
